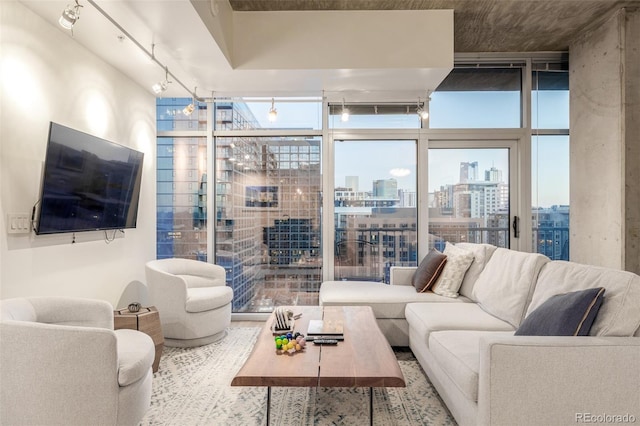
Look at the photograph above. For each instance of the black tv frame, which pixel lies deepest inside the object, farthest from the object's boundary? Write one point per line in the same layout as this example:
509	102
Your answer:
88	184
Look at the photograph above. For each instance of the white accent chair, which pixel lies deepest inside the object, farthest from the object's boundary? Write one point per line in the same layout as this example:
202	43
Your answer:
61	363
192	298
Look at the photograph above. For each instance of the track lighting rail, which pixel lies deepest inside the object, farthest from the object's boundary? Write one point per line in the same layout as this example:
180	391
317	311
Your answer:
150	54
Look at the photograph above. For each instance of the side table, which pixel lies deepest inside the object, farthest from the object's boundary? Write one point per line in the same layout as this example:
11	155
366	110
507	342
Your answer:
146	320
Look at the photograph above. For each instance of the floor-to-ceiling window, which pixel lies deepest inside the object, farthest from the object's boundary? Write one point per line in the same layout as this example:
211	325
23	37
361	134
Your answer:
268	194
469	176
303	192
374	165
267	212
550	160
181	177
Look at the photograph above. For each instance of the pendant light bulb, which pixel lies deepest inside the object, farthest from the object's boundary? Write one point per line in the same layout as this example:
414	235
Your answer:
345	113
273	112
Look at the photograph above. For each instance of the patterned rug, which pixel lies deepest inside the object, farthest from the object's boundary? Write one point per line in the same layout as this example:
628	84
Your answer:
192	387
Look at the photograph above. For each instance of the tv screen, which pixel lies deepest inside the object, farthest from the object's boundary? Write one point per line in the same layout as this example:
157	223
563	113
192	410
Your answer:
88	183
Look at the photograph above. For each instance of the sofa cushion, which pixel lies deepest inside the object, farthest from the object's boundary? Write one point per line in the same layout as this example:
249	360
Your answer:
505	286
568	314
135	355
450	279
426	318
458	355
428	270
481	255
619	314
202	299
387	301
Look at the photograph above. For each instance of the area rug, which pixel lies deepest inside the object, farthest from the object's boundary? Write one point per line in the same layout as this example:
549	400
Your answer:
192	387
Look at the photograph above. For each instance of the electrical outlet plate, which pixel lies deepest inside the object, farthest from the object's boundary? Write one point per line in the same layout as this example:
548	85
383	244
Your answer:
18	223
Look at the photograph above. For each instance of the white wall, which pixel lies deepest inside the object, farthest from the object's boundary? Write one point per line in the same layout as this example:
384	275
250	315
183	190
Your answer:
332	39
47	76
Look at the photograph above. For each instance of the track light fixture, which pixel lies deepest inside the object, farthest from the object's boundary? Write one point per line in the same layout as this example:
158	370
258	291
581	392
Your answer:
188	109
273	112
345	112
70	15
423	110
161	86
191	107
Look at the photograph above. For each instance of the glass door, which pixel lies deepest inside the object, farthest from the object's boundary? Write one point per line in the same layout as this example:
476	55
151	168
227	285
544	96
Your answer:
469	196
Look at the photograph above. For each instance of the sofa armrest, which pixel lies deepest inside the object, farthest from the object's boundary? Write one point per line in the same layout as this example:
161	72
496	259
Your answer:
52	373
208	270
401	275
532	380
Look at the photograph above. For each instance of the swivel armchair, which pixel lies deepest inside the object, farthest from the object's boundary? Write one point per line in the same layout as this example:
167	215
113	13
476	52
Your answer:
61	363
192	298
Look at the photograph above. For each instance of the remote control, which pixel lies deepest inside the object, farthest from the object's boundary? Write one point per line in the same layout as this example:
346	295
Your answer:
325	342
312	338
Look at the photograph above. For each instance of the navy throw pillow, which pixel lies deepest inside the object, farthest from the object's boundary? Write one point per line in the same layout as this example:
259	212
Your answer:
568	314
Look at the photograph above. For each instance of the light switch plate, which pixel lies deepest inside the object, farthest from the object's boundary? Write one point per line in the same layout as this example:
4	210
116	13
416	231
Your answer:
18	223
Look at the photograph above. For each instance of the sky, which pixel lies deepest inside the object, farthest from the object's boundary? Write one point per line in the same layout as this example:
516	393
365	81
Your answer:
373	160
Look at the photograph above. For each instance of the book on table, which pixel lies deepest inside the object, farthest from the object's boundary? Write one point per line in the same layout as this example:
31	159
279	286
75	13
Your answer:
325	328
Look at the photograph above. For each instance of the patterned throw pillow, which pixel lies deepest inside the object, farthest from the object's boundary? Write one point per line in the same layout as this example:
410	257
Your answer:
428	271
450	280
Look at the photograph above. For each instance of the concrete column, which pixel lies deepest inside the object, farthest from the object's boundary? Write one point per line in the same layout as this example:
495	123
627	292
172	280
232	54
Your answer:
632	140
605	143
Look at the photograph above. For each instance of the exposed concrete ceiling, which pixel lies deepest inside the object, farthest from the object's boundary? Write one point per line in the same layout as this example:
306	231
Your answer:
188	36
482	25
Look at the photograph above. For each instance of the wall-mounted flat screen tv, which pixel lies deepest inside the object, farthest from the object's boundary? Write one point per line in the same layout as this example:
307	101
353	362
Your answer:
88	184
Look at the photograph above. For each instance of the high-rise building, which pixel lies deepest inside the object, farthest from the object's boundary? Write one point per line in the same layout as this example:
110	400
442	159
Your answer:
385	188
493	175
267	207
352	182
367	244
468	171
408	198
181	183
482	205
551	231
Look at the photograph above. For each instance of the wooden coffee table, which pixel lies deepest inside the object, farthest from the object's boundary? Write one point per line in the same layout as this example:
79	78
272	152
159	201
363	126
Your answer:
363	359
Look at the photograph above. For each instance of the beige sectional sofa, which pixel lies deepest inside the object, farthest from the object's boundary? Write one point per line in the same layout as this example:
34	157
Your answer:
484	373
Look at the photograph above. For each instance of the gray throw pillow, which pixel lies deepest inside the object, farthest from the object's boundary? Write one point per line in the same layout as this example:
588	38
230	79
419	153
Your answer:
568	314
428	271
